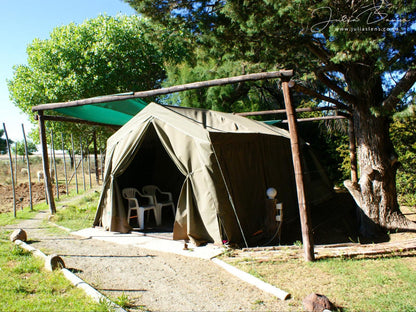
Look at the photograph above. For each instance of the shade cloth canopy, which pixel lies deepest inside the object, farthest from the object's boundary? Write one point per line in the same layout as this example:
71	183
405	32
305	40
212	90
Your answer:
115	113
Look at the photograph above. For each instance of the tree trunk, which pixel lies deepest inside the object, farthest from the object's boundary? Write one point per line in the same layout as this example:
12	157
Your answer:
375	192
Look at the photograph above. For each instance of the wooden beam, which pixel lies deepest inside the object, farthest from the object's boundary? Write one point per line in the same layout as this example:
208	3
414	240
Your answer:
168	90
283	111
317	118
46	172
307	239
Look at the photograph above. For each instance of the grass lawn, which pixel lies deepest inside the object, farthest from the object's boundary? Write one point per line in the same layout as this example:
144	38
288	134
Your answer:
26	286
385	283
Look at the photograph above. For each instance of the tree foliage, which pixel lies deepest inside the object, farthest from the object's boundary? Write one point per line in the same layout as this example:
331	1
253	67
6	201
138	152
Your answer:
3	143
104	55
404	138
21	150
361	54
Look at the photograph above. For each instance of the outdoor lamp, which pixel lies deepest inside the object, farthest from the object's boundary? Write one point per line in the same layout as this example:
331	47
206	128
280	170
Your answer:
271	193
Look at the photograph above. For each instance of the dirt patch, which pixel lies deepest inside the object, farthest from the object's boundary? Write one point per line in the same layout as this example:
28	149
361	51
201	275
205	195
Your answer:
23	195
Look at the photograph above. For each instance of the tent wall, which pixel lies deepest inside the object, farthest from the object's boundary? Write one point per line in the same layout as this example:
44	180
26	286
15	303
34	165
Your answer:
251	163
218	166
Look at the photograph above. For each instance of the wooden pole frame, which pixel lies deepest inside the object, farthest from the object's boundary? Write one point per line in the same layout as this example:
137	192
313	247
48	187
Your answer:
168	90
285	75
45	160
307	238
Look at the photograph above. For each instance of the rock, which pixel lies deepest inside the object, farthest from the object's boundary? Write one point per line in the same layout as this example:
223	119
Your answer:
317	303
18	234
54	262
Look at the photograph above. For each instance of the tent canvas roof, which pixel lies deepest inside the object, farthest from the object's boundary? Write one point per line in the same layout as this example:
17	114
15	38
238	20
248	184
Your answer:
225	164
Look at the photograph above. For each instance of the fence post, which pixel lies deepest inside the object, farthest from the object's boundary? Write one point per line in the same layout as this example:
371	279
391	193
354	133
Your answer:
28	169
11	169
54	164
75	163
82	163
15	162
63	155
89	165
94	136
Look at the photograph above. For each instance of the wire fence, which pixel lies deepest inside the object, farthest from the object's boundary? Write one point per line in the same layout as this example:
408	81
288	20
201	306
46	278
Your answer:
71	171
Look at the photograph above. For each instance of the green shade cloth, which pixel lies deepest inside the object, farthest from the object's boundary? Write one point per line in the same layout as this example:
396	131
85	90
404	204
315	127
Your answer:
272	122
111	113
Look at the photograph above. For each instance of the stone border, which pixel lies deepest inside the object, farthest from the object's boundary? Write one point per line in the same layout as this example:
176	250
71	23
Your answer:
281	294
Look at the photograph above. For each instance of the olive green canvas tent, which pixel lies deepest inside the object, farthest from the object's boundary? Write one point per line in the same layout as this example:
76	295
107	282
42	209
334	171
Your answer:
218	167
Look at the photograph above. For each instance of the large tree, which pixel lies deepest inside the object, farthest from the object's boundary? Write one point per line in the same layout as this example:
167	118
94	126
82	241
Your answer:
360	53
104	55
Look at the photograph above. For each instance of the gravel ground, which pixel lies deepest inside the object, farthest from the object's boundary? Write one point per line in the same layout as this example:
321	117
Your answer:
154	281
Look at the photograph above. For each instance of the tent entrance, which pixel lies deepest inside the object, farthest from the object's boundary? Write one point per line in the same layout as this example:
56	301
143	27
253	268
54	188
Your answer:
152	165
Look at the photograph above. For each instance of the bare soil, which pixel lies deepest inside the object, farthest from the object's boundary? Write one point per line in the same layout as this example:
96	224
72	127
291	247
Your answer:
23	195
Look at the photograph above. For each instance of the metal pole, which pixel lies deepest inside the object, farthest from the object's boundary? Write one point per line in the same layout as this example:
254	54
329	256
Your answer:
11	169
297	165
28	170
46	172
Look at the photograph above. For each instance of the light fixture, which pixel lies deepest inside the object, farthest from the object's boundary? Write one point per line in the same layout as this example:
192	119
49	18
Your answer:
271	193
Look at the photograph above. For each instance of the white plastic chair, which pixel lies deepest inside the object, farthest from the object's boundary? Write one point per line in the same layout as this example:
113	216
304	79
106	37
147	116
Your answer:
132	195
161	199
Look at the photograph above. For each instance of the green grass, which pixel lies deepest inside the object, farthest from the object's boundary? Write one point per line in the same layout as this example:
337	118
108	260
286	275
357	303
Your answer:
78	213
8	218
26	286
381	284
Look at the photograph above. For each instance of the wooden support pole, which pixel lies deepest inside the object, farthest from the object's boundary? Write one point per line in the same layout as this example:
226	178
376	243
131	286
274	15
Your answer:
297	165
353	151
11	169
46	172
28	169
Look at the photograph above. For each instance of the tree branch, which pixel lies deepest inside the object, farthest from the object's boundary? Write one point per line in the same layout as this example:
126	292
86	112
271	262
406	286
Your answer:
319	52
304	90
404	85
333	86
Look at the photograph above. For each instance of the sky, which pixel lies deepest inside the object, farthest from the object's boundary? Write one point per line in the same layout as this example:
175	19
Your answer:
21	21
